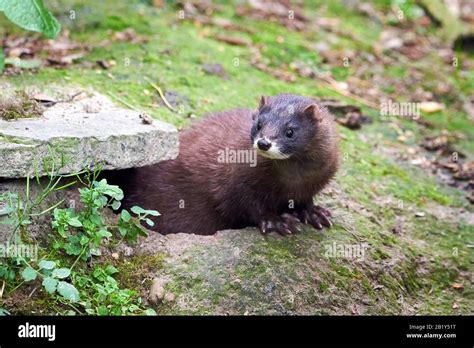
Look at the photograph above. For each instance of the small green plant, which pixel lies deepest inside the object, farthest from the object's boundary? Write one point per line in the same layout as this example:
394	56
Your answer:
80	234
105	296
52	279
30	15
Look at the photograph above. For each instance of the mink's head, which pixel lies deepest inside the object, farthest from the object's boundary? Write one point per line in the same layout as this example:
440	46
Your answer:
288	126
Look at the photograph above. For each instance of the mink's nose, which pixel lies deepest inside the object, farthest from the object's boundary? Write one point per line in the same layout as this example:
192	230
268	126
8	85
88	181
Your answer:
263	144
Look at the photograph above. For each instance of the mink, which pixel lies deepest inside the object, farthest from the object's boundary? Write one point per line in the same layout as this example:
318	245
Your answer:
243	168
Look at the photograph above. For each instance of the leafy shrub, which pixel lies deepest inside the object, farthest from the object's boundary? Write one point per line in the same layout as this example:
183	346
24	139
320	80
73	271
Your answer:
79	235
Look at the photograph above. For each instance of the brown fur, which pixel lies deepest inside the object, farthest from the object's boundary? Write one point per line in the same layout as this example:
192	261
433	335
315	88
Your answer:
219	196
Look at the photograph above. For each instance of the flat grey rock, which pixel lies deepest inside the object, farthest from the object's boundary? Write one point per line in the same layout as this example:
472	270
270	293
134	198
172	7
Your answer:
87	132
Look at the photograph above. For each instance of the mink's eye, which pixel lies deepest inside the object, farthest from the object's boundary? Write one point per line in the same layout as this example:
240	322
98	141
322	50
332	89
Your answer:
289	133
259	125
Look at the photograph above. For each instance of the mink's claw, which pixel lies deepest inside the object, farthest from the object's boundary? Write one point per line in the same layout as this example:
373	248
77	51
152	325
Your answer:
291	220
284	225
317	217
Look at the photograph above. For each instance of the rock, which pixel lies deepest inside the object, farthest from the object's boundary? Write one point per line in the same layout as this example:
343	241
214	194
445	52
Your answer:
84	134
39	224
157	291
389	39
92	108
169	297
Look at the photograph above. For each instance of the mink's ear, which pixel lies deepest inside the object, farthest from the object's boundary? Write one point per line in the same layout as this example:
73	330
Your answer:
263	101
314	112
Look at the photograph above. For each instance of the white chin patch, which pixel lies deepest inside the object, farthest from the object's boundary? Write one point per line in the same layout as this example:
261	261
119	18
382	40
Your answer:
273	152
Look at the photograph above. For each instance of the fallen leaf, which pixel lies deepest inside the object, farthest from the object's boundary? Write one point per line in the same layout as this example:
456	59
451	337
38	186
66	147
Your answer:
289	15
215	69
23	63
348	115
66	59
44	99
431	106
457	286
103	64
434	143
128	35
441	143
465	171
232	40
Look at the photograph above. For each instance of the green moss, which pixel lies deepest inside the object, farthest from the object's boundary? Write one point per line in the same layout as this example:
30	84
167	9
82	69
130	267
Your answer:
137	272
19	105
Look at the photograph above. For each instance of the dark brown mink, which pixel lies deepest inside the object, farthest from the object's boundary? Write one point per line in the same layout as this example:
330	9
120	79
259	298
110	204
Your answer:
290	151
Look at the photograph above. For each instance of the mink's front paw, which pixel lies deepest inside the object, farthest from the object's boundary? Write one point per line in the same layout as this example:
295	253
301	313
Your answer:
285	224
316	216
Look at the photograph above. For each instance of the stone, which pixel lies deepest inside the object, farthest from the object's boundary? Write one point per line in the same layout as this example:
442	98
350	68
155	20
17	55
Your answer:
157	290
83	133
169	297
81	130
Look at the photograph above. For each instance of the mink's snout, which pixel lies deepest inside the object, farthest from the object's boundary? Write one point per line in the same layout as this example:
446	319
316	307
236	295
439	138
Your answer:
264	144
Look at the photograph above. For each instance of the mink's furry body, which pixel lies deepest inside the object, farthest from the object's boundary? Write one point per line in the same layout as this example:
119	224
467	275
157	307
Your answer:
196	193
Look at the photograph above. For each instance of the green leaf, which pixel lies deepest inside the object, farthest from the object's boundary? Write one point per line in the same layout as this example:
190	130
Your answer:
28	274
116	205
72	249
149	222
125	215
111	270
31	15
122	230
110	190
74	222
104	234
95	219
61	273
150	312
50	284
101	202
43	264
84	240
153	212
68	291
95	251
102	310
4	312
137	210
